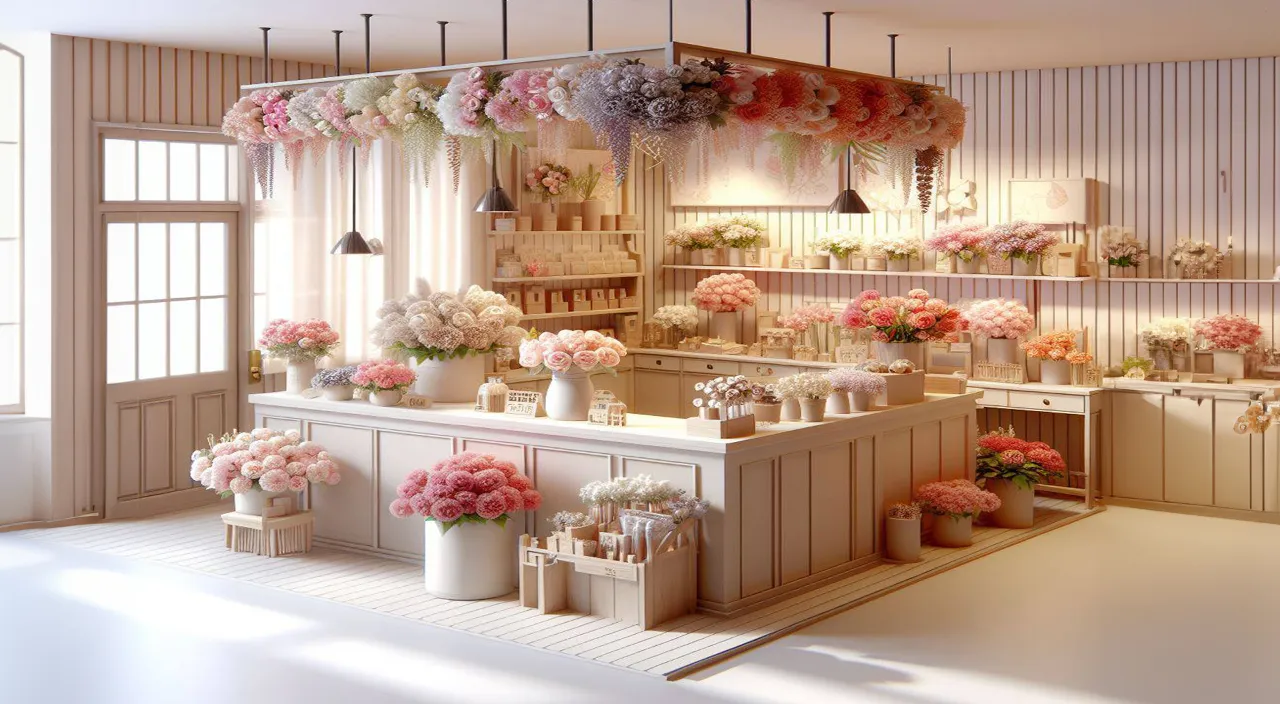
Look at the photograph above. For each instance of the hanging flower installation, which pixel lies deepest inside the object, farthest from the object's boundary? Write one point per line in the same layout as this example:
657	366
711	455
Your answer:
410	111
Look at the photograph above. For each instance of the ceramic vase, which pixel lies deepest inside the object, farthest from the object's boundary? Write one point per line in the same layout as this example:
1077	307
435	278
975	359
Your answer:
902	539
1228	363
861	401
569	395
1002	350
813	410
1055	371
254	501
386	397
1025	267
339	393
724	326
791	409
838	263
471	561
889	352
972	266
767	412
297	375
451	380
816	261
953	532
899	264
1017	505
838	403
592	210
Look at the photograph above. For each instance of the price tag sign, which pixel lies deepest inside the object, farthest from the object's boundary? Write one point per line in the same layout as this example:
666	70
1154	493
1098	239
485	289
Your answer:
961	348
416	401
527	404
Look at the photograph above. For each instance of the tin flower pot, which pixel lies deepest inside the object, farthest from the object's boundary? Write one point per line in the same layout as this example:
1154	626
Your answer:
1055	371
1026	267
861	401
899	264
1002	350
813	410
972	266
838	403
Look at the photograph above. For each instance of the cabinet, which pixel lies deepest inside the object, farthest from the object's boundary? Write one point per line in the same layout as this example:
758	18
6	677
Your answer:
656	393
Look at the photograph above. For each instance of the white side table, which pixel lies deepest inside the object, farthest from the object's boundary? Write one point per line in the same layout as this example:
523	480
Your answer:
272	537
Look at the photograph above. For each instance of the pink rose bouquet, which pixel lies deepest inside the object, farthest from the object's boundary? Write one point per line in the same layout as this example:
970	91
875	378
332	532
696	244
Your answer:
958	498
567	349
548	181
1229	332
295	341
1001	455
917	317
964	242
1054	346
999	318
466	488
383	375
262	458
725	293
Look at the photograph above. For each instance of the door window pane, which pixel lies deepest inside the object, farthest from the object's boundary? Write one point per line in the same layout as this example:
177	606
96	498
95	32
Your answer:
182	171
213	172
213	259
182	338
153	337
9	369
182	259
120	344
9	274
153	261
152	174
9	191
118	169
213	334
120	262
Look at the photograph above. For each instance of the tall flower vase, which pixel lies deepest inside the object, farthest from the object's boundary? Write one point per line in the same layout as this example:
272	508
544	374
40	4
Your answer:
1025	267
724	326
889	352
569	395
472	561
953	531
451	380
1017	505
297	376
591	212
899	264
1228	363
902	539
968	267
255	501
1001	350
1054	371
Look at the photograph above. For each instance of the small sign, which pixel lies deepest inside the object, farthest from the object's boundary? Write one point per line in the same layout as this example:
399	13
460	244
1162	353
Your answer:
961	348
524	403
415	401
851	354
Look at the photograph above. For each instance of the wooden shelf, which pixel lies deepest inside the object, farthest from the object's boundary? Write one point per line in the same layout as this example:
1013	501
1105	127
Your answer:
494	233
566	277
1188	281
580	313
844	272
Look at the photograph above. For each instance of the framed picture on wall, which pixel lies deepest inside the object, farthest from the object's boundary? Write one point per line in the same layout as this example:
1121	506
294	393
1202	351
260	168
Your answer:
1051	201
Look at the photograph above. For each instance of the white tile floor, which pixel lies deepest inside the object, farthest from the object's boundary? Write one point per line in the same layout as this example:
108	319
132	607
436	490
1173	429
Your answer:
1128	606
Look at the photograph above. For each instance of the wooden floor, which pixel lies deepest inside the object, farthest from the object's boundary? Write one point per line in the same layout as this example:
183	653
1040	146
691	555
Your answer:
194	540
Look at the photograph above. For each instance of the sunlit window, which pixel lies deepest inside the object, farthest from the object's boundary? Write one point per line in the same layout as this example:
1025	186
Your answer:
153	170
11	224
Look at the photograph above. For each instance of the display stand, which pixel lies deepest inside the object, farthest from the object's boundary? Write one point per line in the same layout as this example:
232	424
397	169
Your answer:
270	537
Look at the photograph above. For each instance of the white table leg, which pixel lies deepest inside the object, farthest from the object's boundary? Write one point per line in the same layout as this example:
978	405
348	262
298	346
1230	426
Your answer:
1088	452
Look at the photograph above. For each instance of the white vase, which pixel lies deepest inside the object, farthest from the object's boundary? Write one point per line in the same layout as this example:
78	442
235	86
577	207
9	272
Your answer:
1228	363
838	402
724	326
970	267
735	256
838	263
339	393
791	409
951	532
899	264
569	395
860	401
1017	505
1023	267
450	381
254	501
902	539
1055	371
813	410
471	561
298	374
1002	350
386	397
889	352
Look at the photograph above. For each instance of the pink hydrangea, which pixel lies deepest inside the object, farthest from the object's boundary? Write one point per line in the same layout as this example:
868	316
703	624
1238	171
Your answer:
270	459
383	375
999	318
489	480
297	483
468	483
491	505
957	498
274	480
460	480
446	510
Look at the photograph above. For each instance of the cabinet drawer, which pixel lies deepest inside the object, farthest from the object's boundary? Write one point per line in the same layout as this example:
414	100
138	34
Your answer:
648	361
1046	402
754	369
709	366
994	397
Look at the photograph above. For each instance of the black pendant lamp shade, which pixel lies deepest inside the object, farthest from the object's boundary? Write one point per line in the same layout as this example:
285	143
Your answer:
849	203
495	200
353	242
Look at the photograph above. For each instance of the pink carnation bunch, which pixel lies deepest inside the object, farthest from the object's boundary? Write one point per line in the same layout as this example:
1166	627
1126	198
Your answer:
999	318
468	487
268	459
1002	455
567	349
1229	332
308	339
958	498
725	293
917	317
383	375
964	242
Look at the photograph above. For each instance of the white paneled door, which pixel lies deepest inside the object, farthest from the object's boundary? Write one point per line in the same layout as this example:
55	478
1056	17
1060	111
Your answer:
170	323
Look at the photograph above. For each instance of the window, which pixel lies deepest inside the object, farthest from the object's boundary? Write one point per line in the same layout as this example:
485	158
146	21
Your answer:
11	225
162	170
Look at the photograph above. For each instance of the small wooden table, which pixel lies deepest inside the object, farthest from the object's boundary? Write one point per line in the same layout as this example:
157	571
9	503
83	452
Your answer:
272	537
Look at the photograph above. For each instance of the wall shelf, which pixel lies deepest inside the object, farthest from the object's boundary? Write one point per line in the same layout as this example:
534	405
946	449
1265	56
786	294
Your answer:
579	313
845	272
1190	281
566	277
495	233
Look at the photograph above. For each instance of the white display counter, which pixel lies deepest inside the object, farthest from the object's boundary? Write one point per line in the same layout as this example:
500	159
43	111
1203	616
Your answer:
791	506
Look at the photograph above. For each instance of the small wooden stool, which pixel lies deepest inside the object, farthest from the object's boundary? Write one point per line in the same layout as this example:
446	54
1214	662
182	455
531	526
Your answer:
272	537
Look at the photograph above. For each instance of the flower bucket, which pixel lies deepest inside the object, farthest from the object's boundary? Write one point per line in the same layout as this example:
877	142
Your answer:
297	375
255	501
953	532
471	561
1017	505
569	395
386	397
1055	371
902	539
450	381
1002	350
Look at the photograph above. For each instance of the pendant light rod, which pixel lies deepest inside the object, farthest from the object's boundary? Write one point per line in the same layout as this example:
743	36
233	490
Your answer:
893	56
828	15
337	52
354	227
368	63
443	53
748	26
949	94
266	55
504	30
671	20
591	25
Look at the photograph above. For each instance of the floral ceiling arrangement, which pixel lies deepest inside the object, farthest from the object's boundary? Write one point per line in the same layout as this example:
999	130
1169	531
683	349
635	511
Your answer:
661	111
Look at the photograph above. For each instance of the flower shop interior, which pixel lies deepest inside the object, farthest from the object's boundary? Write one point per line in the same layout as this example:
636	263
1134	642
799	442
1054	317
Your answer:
715	350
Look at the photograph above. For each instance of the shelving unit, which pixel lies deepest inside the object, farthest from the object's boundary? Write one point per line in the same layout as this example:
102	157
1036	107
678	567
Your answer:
566	277
863	273
580	313
495	233
1189	281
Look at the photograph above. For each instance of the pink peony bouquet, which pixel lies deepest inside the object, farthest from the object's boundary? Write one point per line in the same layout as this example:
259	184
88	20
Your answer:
1018	239
999	318
294	341
1229	332
725	293
383	375
1001	455
964	242
262	458
958	498
567	349
466	488
914	318
547	181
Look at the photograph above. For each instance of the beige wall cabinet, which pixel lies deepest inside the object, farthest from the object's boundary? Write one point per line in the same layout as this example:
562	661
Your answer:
656	393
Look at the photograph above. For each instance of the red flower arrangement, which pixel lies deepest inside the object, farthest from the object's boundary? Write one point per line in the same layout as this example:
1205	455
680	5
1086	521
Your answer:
1001	455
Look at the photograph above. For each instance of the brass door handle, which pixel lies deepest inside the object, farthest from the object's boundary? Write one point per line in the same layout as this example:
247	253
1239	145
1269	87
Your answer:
255	366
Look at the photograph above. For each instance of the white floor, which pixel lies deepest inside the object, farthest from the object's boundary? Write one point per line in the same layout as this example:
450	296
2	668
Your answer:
1127	606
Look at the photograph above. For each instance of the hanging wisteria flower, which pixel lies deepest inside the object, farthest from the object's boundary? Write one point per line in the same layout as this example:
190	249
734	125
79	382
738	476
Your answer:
1001	455
258	121
964	242
409	108
309	339
958	498
839	243
679	317
999	318
383	375
1019	239
442	325
725	293
262	458
807	386
1173	334
567	349
1229	332
466	488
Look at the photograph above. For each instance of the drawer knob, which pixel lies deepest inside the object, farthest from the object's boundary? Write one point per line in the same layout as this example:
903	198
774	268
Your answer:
709	366
1046	402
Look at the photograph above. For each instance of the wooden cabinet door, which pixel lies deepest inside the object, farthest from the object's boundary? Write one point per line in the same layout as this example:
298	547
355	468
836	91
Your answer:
656	393
1137	445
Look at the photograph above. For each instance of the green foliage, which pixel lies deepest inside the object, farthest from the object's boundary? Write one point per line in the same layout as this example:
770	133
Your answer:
1136	363
468	518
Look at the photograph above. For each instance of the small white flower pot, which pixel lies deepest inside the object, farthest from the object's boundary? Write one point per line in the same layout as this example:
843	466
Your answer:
861	401
902	539
899	264
837	263
838	403
951	532
813	410
816	261
1023	267
972	266
767	412
297	376
791	409
1055	371
255	501
386	397
339	393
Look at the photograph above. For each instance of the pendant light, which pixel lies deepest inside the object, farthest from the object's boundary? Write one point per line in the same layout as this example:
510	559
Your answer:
494	200
353	242
848	202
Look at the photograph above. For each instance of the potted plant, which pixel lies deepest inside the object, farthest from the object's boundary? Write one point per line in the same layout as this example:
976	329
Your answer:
1002	322
335	384
862	387
585	184
570	356
1167	339
900	249
900	325
1121	250
1143	366
699	242
724	296
766	404
954	504
384	379
902	533
811	390
839	246
675	321
547	182
468	497
962	243
260	466
1010	468
1054	351
446	336
741	236
300	344
1022	242
1230	337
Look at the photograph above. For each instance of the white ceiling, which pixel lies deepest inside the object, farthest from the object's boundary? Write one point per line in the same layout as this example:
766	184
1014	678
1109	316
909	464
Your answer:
985	34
